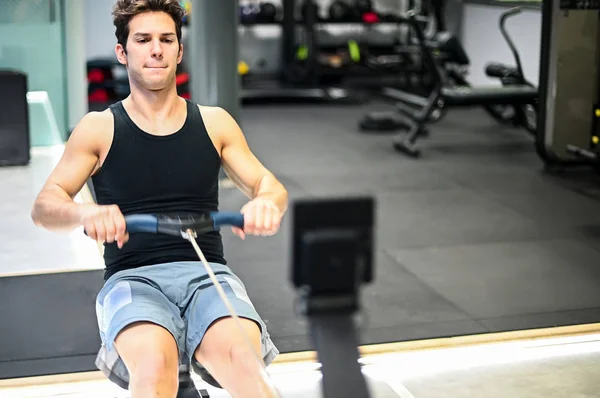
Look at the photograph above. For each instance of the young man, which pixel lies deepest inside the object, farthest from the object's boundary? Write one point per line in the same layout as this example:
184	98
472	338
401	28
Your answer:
155	152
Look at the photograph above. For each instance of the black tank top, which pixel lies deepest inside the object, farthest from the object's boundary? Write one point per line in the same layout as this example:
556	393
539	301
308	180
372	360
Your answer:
145	173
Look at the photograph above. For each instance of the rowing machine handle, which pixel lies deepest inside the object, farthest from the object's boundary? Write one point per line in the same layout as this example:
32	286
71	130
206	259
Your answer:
176	224
234	219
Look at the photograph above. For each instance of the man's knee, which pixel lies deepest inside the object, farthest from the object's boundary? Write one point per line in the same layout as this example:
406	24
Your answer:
244	358
224	343
149	352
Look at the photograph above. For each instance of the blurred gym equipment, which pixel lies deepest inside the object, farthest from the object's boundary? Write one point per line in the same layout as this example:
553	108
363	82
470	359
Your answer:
451	90
569	135
14	119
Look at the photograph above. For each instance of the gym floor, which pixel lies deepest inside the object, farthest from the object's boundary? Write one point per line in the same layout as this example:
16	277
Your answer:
549	367
472	238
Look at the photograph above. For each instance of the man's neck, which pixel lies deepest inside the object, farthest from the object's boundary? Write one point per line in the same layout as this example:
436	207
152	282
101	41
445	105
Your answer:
153	105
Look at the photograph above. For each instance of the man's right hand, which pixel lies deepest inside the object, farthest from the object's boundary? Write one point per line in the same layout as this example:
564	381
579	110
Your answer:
104	223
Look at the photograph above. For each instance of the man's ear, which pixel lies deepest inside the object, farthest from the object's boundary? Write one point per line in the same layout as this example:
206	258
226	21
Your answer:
180	55
121	54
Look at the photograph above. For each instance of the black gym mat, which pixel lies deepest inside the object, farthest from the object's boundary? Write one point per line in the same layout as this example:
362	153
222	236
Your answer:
474	237
505	279
49	323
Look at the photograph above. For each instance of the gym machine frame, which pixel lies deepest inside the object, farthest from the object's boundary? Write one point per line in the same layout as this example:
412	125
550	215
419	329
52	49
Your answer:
516	92
569	135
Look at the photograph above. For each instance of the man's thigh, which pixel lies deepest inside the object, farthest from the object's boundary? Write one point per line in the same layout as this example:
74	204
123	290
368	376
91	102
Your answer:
127	300
207	310
132	312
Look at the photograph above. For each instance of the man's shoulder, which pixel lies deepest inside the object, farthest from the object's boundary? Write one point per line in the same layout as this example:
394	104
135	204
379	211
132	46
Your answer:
94	128
215	118
212	111
97	118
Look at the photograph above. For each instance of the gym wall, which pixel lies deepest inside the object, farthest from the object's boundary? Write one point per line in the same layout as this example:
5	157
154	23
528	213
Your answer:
483	42
99	30
31	42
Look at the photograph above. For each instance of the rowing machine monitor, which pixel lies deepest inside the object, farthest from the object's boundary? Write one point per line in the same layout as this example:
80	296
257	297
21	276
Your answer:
332	256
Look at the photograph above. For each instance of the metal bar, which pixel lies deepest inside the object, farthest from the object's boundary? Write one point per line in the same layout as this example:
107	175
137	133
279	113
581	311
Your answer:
403	96
334	336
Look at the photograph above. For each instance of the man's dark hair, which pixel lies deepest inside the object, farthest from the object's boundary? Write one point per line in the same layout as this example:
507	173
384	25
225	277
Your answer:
124	10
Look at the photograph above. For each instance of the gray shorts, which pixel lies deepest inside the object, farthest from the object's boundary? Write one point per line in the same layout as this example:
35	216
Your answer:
180	297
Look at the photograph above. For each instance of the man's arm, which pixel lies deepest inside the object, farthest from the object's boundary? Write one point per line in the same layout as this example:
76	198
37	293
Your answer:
242	166
54	208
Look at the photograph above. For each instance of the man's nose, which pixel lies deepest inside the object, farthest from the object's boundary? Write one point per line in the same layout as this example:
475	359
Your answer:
156	48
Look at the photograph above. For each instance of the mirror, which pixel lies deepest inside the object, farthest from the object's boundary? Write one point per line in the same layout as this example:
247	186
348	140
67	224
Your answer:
432	109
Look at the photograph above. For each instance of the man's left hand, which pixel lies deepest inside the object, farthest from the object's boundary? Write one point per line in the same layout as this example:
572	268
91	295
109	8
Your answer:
261	217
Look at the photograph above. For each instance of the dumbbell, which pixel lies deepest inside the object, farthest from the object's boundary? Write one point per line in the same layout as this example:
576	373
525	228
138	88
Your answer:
340	11
267	12
249	13
370	17
363	6
309	5
243	68
366	12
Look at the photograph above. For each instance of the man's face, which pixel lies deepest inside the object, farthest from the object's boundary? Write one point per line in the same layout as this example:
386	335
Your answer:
153	52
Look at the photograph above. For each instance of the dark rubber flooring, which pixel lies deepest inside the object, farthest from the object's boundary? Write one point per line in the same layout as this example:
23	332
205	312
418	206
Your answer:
474	237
